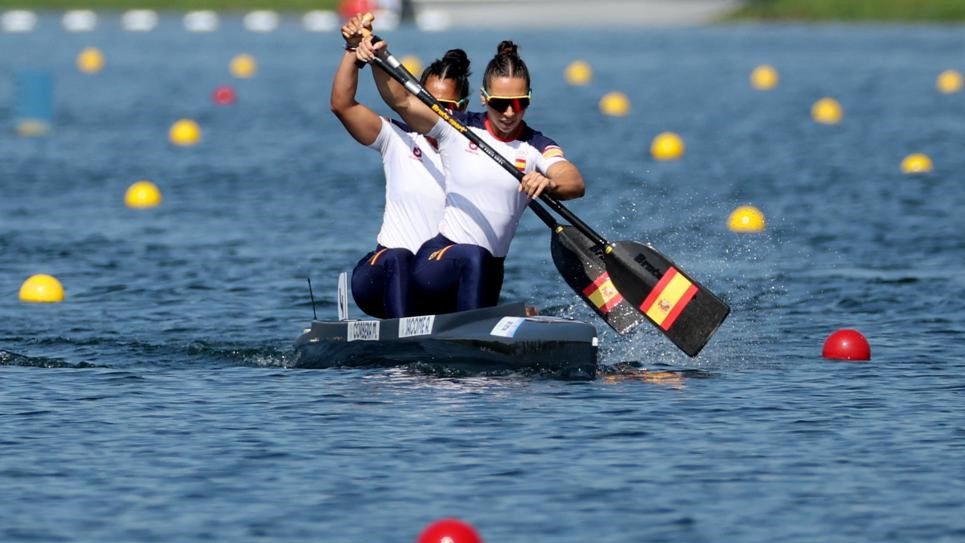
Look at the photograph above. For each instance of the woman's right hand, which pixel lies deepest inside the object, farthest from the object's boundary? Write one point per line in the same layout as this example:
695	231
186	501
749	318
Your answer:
357	28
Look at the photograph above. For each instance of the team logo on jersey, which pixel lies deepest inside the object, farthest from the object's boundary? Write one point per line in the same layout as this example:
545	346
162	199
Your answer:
552	151
521	163
416	151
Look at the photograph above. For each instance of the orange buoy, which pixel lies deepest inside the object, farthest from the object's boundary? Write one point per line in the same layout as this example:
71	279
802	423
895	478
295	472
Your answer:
847	344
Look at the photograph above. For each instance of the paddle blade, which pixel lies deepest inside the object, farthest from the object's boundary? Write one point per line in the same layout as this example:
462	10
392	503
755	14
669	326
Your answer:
580	263
679	306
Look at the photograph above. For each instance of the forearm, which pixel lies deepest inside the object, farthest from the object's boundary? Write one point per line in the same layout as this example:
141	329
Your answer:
345	85
566	181
391	91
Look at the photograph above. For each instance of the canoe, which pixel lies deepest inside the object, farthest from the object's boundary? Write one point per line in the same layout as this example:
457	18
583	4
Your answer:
494	340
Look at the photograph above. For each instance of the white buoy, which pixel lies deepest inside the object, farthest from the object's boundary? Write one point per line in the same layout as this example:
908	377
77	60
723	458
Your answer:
139	20
320	21
201	21
79	20
18	20
261	21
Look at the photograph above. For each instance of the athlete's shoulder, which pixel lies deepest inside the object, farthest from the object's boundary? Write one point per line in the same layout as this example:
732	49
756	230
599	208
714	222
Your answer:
542	143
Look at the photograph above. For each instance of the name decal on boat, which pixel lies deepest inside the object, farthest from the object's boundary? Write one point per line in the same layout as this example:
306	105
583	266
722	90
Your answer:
416	326
363	331
507	326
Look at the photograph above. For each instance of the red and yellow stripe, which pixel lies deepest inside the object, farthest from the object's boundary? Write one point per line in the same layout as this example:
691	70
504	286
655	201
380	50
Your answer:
668	298
521	164
603	294
552	151
375	257
437	255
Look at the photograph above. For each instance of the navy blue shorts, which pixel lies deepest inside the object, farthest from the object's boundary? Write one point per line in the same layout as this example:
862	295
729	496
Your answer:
449	276
380	283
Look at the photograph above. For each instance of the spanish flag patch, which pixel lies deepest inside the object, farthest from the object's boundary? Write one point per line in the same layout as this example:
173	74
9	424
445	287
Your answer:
603	294
552	151
520	163
668	298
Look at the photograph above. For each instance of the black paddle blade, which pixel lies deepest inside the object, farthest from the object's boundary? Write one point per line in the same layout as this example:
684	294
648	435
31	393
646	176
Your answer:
580	263
679	306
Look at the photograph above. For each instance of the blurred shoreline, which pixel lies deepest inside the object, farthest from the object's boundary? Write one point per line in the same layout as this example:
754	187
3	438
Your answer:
440	14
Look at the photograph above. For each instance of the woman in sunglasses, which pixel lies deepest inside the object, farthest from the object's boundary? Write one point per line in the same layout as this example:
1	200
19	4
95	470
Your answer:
483	202
414	179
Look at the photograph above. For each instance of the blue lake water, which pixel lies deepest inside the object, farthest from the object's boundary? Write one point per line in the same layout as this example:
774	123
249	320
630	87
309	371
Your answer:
157	402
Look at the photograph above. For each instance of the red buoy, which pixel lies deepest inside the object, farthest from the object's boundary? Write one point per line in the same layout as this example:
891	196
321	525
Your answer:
449	530
847	344
223	95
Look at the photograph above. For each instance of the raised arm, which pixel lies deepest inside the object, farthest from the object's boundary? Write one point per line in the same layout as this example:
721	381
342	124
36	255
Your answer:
416	114
361	122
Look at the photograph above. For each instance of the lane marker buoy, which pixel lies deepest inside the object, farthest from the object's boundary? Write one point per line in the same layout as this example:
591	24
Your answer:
846	344
41	288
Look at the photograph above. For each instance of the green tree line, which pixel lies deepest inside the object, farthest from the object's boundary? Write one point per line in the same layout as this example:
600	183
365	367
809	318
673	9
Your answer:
853	10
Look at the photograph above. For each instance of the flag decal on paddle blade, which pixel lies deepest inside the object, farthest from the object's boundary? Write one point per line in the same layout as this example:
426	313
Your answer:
602	293
668	298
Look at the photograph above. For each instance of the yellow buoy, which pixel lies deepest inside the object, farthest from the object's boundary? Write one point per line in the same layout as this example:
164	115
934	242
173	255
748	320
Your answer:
243	66
827	111
41	288
90	60
579	72
32	128
184	132
916	163
667	146
615	104
764	78
142	194
949	82
746	219
413	64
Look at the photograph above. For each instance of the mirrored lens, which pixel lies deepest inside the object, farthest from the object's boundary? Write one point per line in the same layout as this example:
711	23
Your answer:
500	104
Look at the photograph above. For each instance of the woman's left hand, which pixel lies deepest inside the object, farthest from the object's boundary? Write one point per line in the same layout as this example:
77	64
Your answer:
534	184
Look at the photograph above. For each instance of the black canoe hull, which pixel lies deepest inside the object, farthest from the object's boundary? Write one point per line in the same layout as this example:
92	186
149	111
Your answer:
493	340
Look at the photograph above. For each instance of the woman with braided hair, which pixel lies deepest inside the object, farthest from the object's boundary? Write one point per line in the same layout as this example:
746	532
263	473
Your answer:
414	179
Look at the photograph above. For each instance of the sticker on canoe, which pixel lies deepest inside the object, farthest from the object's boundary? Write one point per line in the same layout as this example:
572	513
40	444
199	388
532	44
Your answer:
507	326
363	331
416	326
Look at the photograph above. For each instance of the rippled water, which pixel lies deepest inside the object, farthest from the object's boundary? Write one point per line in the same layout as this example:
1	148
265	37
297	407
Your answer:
156	404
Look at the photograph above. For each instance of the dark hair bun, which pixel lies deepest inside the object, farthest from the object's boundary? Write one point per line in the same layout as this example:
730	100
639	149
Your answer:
458	60
507	47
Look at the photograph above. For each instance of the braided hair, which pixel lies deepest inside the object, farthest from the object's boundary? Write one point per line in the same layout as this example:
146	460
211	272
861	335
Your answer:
454	65
506	63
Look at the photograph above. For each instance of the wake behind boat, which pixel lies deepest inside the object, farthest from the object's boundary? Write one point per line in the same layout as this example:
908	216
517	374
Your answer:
494	340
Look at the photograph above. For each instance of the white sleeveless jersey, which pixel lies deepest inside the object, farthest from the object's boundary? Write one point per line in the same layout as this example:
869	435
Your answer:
483	202
414	187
